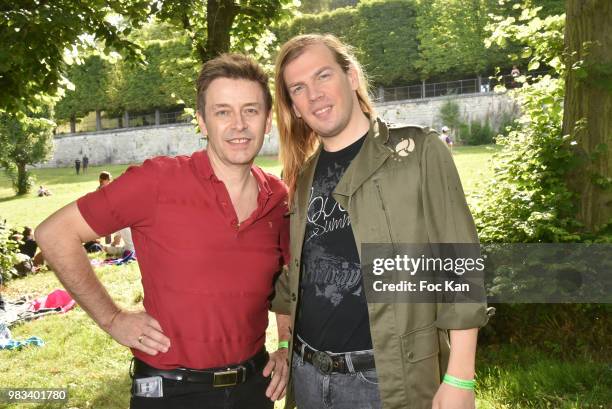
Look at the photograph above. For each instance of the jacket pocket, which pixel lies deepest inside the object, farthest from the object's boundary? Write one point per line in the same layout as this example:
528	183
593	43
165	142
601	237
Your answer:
419	344
420	351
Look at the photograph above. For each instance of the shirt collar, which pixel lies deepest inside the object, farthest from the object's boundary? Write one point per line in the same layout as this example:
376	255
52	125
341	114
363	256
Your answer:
205	170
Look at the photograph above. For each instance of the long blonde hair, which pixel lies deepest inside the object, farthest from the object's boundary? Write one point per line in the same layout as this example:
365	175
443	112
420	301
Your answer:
297	140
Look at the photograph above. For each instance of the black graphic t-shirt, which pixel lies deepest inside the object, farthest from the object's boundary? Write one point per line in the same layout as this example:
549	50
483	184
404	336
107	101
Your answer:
333	313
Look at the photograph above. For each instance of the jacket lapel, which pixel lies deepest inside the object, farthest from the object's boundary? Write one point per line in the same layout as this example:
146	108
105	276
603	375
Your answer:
302	196
371	156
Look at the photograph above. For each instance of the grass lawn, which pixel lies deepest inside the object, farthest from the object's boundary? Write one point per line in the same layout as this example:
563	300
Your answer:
80	356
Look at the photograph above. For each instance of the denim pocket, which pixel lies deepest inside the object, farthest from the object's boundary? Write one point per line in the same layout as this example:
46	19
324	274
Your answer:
369	377
297	361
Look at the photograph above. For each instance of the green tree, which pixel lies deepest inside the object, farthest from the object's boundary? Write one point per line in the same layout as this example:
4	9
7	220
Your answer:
528	200
167	78
34	36
90	92
24	140
314	6
451	37
588	109
382	32
139	87
336	4
550	7
215	27
387	40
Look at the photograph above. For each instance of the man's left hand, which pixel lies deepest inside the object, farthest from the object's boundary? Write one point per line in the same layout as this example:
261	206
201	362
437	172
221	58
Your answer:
277	366
450	397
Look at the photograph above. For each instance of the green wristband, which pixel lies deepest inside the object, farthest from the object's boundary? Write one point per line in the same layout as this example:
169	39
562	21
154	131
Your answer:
459	383
283	344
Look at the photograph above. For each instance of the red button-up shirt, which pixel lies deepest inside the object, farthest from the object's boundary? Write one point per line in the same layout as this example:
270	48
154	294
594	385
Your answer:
206	278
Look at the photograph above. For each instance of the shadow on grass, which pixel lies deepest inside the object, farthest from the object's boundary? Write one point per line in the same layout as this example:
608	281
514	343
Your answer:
9	198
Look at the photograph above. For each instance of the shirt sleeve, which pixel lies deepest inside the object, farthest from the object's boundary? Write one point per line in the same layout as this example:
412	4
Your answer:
128	201
280	302
448	220
284	240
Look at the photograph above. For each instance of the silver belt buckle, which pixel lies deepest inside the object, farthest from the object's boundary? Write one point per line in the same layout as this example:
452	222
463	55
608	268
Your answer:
323	362
228	378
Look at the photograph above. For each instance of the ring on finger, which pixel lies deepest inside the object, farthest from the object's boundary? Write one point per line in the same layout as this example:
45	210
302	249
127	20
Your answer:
140	338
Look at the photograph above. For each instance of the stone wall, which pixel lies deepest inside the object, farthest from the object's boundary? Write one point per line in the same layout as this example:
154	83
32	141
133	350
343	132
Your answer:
485	106
134	145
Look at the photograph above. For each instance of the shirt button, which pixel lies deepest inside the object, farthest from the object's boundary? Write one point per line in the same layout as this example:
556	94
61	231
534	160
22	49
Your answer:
410	355
297	263
293	297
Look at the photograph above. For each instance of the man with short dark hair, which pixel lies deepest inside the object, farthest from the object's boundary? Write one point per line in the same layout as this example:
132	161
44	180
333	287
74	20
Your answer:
211	235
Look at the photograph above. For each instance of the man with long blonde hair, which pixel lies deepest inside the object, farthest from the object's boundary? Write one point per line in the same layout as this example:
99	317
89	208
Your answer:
353	180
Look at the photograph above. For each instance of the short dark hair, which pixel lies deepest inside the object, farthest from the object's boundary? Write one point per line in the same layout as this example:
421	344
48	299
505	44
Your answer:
104	175
233	66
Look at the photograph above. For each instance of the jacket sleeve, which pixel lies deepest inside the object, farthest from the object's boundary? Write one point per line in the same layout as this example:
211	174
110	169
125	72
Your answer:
281	301
448	220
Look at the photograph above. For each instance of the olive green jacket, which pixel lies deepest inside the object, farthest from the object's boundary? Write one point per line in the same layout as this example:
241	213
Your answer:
402	187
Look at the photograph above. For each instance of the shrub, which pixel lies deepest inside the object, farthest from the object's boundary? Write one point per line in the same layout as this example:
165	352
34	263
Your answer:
479	134
8	251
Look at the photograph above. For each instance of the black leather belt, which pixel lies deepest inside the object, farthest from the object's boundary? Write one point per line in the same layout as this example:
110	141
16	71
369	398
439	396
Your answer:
327	363
217	377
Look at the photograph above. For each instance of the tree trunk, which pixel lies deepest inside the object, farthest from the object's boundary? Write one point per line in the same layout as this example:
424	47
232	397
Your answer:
72	123
98	120
588	108
22	179
220	15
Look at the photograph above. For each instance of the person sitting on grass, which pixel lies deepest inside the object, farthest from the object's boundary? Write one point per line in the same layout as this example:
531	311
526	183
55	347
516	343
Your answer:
29	247
115	248
43	191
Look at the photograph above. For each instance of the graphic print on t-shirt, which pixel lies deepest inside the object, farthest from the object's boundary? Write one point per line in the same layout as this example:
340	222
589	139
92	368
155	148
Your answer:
332	275
333	310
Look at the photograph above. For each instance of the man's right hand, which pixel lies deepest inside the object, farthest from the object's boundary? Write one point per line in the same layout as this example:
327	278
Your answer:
140	331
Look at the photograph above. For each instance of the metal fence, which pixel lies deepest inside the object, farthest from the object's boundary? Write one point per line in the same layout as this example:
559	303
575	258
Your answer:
440	89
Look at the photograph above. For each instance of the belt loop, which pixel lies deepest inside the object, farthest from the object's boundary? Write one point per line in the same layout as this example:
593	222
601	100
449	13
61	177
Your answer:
302	348
132	368
349	362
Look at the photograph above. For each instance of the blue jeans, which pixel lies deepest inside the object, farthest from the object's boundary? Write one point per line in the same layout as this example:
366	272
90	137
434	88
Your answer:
315	390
